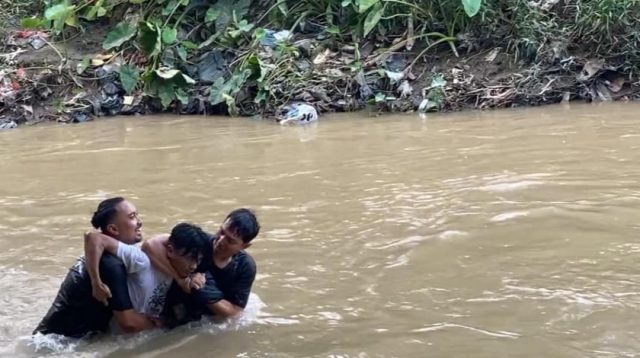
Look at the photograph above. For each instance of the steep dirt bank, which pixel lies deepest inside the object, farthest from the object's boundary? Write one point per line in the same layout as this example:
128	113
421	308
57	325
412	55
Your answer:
77	80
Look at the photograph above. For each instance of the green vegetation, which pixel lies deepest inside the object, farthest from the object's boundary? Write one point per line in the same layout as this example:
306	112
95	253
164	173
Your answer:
173	34
11	11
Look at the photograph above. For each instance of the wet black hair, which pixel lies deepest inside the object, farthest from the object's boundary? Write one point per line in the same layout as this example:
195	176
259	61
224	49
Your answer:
189	240
243	222
103	216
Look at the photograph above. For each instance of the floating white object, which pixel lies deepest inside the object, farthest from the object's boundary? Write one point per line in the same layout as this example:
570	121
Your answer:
297	113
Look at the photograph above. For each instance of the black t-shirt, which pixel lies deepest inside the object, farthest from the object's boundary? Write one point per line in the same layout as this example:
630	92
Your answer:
74	312
232	283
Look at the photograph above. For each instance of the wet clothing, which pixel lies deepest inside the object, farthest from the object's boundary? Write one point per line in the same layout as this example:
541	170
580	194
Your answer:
232	283
74	312
148	286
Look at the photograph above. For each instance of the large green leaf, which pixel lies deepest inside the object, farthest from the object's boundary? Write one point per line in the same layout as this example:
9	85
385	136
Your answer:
168	85
182	96
175	76
169	35
243	27
182	53
189	45
61	14
129	76
95	11
170	7
150	39
261	96
166	92
364	5
221	91
59	11
216	90
212	15
372	19
259	69
120	34
208	41
227	9
471	7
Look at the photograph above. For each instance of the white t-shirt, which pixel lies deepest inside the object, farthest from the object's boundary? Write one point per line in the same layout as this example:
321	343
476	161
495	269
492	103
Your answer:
147	285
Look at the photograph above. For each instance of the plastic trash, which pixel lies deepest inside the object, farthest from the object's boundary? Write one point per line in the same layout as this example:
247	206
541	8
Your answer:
111	89
297	113
79	117
272	38
7	125
211	66
110	105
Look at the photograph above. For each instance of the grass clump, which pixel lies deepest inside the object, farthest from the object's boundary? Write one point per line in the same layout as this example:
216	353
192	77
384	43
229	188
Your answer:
12	11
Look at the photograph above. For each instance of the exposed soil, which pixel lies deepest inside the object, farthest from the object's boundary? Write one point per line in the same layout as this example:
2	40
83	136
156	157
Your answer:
45	84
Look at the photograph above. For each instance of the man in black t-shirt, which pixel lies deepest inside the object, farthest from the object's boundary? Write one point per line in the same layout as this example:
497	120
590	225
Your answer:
229	270
75	312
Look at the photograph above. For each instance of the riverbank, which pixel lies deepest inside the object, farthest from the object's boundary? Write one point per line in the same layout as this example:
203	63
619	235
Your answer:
75	62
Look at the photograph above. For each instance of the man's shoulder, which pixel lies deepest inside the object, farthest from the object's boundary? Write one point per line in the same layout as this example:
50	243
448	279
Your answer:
127	252
107	261
110	260
129	247
245	261
242	255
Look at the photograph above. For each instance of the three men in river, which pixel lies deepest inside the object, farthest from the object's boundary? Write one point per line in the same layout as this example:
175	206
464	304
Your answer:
170	280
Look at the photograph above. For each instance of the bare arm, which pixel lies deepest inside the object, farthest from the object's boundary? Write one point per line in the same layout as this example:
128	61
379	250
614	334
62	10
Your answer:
94	245
235	298
224	309
157	253
131	321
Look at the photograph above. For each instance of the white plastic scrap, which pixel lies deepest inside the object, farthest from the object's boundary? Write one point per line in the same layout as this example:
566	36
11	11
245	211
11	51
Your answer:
297	113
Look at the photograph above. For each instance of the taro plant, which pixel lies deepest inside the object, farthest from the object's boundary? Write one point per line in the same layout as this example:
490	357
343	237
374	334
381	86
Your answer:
167	84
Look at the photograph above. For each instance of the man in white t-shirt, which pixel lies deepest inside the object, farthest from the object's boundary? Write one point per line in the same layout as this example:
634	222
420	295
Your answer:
147	285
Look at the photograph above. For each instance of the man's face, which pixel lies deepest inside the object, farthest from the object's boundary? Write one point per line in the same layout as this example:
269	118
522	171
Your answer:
228	243
127	225
183	264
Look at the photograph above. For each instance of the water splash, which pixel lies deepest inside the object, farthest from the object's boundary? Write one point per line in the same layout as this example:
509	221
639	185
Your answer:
53	345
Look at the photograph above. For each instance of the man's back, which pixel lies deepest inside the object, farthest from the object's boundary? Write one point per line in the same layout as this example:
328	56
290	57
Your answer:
147	285
74	312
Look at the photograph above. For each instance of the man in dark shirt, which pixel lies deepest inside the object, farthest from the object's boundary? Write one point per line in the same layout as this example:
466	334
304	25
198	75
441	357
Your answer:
75	312
229	269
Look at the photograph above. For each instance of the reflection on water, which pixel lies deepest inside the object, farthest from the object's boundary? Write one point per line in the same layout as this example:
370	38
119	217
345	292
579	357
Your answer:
489	234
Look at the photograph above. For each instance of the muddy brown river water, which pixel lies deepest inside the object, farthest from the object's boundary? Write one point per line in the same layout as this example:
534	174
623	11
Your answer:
496	234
